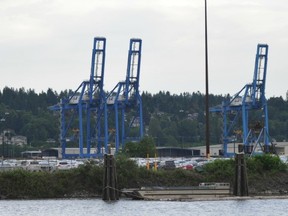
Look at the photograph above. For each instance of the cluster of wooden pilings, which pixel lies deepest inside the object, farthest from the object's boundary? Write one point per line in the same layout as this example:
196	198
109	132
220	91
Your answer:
241	183
110	191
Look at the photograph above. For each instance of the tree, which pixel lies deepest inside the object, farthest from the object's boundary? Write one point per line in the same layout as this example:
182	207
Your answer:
141	149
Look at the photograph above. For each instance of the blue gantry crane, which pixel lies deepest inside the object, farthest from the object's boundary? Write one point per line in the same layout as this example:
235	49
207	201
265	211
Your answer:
125	96
83	112
249	107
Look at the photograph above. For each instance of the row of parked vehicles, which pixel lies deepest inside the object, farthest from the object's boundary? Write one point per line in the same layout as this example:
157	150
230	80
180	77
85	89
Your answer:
51	164
44	164
173	163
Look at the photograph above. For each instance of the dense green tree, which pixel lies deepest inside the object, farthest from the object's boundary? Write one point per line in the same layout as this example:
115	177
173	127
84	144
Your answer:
146	147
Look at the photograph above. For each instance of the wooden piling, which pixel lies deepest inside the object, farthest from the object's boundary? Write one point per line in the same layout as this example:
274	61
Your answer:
110	191
241	183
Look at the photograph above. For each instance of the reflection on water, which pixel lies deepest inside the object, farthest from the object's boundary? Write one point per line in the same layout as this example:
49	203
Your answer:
97	207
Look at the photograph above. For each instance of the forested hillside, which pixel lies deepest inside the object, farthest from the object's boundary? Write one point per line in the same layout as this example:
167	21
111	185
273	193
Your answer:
177	120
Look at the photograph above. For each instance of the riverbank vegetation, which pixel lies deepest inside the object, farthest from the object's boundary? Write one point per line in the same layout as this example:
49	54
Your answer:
266	174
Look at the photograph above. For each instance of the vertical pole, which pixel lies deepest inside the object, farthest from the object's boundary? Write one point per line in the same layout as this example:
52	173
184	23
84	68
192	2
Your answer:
106	127
207	88
116	125
123	127
88	135
110	185
155	163
148	163
3	147
241	183
80	129
105	195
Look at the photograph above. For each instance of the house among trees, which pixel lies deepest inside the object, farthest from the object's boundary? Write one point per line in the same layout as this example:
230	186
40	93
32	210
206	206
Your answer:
17	140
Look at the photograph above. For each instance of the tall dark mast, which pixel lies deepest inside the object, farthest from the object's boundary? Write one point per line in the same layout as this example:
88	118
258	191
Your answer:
207	88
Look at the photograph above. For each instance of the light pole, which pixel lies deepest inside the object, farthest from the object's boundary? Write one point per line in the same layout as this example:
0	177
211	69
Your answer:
207	87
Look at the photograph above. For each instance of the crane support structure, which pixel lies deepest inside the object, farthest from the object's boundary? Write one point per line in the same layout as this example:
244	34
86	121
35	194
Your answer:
250	103
83	112
125	96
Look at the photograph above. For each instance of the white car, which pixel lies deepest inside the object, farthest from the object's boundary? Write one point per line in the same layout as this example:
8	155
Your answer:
63	165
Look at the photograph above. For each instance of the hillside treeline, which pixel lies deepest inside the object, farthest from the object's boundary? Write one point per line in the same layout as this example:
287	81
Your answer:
171	119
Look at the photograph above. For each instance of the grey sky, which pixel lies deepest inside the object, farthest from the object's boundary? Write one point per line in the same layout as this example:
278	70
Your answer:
48	43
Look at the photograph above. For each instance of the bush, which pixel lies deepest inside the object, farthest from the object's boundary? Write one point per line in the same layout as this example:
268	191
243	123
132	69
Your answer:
264	163
24	184
219	170
127	171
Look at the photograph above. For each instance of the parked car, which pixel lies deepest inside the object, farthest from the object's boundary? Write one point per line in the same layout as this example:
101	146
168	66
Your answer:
63	165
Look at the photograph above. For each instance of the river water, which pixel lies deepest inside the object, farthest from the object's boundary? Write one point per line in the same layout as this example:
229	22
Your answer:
97	207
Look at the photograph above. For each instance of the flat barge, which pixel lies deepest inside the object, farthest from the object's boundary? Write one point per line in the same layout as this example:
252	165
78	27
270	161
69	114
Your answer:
204	190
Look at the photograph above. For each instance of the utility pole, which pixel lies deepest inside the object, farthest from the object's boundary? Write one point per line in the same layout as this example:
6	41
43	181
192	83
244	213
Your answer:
207	87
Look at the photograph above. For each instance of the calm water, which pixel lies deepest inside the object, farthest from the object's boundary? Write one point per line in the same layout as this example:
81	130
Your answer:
97	207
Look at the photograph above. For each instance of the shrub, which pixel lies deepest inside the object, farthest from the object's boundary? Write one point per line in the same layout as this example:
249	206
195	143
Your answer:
265	162
219	170
127	171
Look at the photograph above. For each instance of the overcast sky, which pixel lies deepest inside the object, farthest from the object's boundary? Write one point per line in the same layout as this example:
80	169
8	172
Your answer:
47	43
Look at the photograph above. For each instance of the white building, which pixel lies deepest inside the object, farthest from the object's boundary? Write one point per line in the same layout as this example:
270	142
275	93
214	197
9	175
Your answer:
13	140
19	140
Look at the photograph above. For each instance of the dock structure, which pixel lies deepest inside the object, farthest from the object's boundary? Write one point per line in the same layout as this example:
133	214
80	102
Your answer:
110	191
208	190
